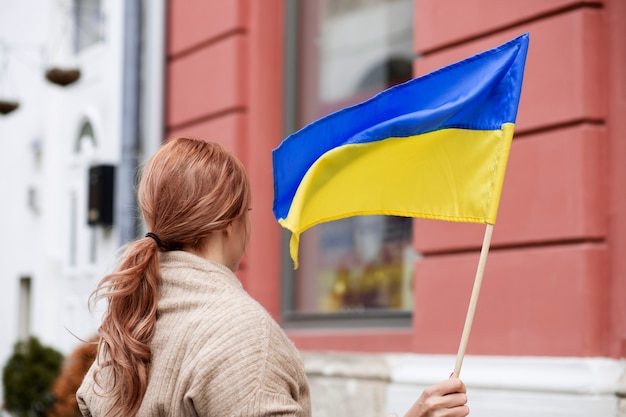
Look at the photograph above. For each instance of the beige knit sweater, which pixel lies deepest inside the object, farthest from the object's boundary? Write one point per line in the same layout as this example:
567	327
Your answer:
216	351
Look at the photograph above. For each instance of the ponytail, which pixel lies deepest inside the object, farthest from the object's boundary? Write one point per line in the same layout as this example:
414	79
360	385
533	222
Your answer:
188	190
128	326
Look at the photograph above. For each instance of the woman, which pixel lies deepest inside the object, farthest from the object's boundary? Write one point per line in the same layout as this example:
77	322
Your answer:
180	336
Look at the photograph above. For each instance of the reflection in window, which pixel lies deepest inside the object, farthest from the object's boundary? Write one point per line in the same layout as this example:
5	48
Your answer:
347	51
355	264
360	43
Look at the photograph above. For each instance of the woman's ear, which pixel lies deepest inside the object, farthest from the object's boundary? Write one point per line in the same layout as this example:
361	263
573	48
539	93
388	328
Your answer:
228	230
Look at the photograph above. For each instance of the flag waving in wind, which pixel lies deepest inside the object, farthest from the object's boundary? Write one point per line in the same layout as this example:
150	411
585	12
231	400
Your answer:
434	147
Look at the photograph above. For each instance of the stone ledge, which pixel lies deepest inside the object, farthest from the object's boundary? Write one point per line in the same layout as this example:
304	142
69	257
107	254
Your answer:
569	375
347	365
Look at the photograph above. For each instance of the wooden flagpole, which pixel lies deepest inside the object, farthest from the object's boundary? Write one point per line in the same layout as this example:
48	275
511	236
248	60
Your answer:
480	271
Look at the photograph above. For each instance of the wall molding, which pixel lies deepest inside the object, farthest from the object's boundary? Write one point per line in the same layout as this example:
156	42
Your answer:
515	386
546	374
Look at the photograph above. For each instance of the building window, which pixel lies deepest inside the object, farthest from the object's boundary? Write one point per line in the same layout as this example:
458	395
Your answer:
339	53
24	308
73	229
86	141
88	23
82	239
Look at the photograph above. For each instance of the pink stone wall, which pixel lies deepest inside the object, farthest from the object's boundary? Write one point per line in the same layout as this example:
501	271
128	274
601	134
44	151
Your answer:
223	83
555	280
549	286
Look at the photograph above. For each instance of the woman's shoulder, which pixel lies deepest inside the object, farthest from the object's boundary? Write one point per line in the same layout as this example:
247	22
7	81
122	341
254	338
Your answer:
208	304
236	313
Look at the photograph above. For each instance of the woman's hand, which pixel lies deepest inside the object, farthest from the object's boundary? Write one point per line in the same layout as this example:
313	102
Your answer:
446	399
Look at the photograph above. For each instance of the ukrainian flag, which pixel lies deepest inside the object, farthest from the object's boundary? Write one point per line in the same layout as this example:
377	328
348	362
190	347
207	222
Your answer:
434	147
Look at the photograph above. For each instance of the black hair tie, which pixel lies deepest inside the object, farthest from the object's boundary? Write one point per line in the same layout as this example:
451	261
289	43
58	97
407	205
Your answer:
158	241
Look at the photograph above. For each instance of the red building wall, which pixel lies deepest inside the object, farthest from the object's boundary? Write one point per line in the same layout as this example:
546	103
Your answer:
549	288
223	83
556	277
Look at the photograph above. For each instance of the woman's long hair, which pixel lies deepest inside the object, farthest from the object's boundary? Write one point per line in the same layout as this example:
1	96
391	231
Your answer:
188	189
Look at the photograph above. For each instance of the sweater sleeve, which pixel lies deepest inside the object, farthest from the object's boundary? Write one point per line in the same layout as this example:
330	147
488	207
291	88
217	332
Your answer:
272	404
282	386
82	407
84	391
250	370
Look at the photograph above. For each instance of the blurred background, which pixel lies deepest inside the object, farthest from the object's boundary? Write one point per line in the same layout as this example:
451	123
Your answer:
89	89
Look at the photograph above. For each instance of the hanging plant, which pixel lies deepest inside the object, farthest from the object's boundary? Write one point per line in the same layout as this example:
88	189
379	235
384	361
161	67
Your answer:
27	378
8	106
8	103
63	76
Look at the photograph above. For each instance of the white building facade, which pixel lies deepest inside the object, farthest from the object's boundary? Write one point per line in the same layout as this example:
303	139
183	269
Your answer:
60	230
